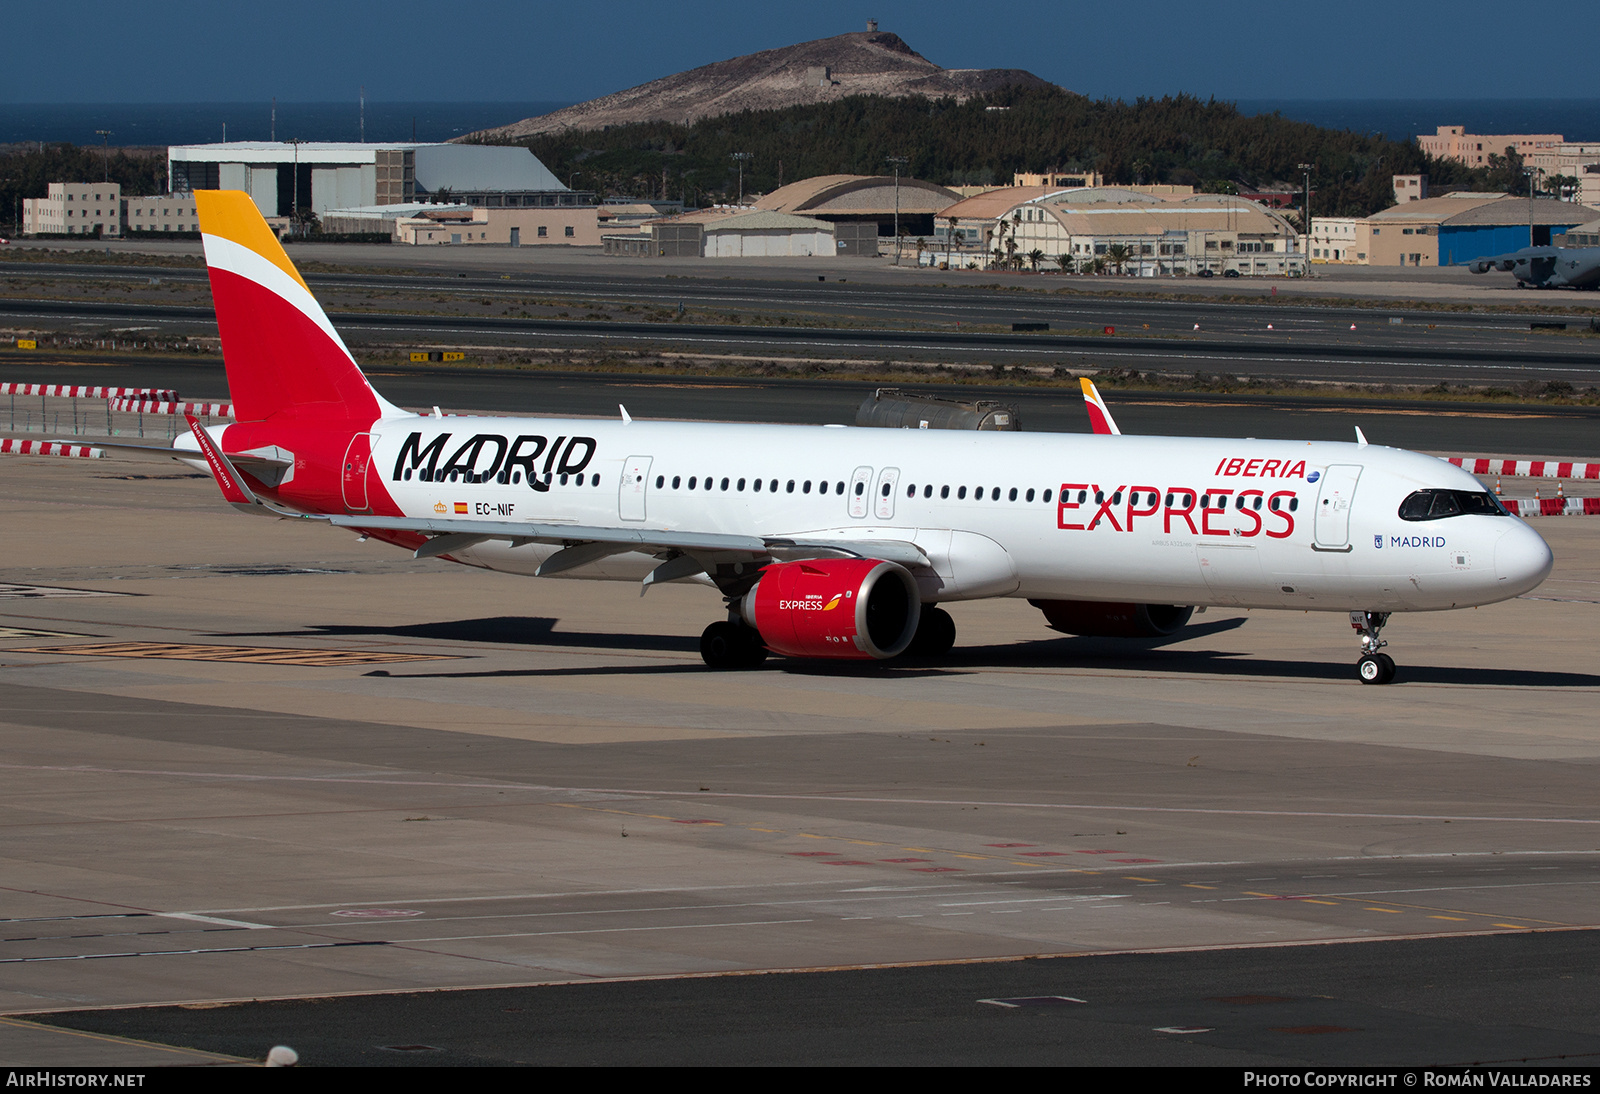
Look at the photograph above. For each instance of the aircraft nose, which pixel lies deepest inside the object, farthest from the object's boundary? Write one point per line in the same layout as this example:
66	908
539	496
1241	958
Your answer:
1522	559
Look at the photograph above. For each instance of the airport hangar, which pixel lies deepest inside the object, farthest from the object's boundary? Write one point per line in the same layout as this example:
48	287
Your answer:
328	176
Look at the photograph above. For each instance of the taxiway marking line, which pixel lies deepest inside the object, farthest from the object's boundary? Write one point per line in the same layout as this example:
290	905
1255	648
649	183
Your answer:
112	1039
638	792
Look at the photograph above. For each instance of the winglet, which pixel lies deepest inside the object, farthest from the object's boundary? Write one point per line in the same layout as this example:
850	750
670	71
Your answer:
1099	417
626	417
1361	438
234	491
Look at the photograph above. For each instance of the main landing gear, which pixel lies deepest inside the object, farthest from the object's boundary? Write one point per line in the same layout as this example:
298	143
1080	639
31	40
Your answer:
731	646
936	633
1372	667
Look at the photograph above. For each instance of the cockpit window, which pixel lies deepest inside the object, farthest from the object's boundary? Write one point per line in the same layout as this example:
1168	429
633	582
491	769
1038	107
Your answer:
1439	504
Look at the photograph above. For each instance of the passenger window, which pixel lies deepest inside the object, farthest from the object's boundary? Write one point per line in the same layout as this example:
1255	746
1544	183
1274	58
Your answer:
944	492
724	484
1029	496
927	491
740	486
676	482
838	488
691	482
660	481
1047	495
911	491
791	486
756	486
961	493
772	487
806	489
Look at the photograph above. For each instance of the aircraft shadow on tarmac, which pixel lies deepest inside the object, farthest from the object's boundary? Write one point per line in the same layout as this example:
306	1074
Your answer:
511	630
1174	654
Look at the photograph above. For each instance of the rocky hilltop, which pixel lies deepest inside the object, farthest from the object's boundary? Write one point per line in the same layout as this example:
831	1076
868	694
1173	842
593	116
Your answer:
868	63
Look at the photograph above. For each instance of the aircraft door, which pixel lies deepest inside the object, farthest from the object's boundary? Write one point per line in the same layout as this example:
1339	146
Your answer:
860	503
631	491
1333	506
357	458
883	493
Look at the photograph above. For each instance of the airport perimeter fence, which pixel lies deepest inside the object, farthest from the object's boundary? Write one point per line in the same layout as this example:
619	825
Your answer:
151	413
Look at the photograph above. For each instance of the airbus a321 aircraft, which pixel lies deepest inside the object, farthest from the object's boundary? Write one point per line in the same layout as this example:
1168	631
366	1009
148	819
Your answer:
834	542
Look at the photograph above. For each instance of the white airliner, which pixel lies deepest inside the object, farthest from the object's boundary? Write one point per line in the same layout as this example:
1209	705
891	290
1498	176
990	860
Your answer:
836	542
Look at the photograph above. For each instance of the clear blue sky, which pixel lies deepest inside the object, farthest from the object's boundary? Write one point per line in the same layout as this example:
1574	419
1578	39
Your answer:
403	50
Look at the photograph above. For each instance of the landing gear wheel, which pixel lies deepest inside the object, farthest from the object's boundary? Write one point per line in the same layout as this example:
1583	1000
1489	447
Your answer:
936	633
730	646
1375	668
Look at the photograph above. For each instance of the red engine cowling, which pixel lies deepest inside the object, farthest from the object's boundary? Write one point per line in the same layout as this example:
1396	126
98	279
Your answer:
1088	617
834	607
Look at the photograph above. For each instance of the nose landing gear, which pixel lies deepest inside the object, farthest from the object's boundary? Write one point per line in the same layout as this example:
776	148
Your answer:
1372	667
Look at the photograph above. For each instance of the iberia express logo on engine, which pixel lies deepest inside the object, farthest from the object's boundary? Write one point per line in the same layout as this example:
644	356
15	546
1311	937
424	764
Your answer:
813	603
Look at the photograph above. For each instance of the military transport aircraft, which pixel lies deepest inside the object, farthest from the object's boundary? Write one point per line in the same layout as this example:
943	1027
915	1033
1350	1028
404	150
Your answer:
1546	267
836	542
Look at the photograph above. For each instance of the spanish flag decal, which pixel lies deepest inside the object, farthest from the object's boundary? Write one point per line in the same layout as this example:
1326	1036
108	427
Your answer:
461	508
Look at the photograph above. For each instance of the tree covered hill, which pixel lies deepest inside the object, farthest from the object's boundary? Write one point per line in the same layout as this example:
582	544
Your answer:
1182	139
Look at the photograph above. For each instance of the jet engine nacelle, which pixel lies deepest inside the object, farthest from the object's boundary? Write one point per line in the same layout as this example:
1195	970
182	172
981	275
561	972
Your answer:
834	607
1089	617
1481	265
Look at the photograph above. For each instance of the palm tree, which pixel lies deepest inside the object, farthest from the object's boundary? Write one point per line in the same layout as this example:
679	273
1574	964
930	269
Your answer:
1035	257
1117	256
1065	262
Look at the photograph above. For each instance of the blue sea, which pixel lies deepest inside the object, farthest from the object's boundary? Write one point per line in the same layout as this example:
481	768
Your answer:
206	123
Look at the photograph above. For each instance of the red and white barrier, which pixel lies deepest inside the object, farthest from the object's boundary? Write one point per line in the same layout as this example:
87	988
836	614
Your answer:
66	391
49	448
199	410
1552	507
1527	469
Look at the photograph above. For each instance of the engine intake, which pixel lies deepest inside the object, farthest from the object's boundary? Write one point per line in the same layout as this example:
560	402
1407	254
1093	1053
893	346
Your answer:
1088	617
835	607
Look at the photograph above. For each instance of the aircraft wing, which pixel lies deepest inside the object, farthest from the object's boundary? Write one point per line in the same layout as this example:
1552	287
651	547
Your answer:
456	535
1508	262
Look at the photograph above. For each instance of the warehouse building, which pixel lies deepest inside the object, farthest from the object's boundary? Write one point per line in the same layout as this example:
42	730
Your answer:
864	199
1116	230
731	232
326	176
1457	228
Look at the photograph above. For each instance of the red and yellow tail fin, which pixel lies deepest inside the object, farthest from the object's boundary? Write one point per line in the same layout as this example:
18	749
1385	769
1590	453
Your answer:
281	353
1099	417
